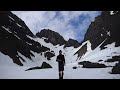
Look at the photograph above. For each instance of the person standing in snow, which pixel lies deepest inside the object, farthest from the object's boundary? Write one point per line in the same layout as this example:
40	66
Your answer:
61	63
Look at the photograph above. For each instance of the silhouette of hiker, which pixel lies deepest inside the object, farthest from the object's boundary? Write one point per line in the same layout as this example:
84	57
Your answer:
61	62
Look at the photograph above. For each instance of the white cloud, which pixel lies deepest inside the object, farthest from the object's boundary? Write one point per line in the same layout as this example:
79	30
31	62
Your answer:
57	21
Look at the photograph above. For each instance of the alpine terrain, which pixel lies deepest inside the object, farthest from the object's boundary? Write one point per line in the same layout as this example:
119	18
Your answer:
24	55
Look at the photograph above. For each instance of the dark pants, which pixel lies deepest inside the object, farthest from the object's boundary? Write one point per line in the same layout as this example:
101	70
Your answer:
61	69
61	66
61	74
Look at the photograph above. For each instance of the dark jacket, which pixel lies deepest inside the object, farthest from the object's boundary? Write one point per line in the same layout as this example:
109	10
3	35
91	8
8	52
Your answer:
61	62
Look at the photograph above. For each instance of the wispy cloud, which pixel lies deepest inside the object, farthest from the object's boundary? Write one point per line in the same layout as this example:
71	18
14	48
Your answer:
70	24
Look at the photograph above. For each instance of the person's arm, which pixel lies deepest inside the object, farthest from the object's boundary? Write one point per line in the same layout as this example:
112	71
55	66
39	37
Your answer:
64	60
57	59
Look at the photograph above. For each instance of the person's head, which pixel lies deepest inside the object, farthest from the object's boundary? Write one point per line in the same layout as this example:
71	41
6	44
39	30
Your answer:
60	52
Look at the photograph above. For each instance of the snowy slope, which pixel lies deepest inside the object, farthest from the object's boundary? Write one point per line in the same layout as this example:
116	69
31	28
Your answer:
91	55
5	60
8	69
68	51
39	59
98	54
69	73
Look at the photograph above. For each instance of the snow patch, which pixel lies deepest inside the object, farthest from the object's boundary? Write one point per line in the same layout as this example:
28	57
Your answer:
44	38
28	43
18	25
11	18
16	36
15	32
30	37
101	34
88	46
108	33
7	29
112	12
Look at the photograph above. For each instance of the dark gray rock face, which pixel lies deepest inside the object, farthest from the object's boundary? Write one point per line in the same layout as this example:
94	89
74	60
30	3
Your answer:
116	69
82	51
55	38
87	64
104	26
114	58
74	67
43	66
52	36
72	42
14	38
49	55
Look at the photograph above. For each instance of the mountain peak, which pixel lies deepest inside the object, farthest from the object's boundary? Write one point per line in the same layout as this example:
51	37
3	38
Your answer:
52	36
72	42
14	39
104	26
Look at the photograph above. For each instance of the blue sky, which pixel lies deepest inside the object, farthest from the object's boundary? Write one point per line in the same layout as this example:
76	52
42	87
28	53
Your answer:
69	24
